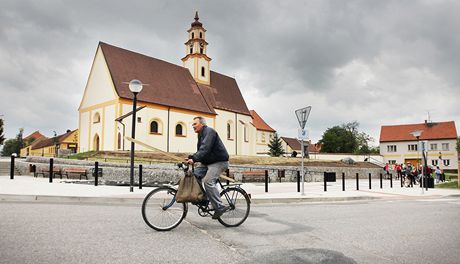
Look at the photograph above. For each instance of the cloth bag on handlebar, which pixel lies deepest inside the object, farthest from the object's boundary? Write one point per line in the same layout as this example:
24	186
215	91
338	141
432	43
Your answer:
189	189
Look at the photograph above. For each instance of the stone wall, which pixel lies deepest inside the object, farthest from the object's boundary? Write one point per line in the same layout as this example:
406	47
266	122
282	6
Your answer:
169	172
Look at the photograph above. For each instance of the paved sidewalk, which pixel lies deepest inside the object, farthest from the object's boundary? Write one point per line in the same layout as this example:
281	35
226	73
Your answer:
28	188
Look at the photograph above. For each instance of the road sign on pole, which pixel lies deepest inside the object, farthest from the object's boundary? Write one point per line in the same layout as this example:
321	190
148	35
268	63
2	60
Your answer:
303	134
302	116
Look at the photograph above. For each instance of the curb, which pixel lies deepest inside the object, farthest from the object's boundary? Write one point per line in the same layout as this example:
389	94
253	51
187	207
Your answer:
138	201
69	199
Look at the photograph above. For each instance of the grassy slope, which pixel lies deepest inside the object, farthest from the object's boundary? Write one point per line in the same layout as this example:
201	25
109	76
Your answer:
141	156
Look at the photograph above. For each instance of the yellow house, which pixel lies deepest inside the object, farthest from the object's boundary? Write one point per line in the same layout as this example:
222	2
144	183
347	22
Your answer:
63	144
173	96
29	141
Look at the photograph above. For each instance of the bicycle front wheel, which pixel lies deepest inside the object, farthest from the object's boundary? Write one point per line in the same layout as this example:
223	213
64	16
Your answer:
238	201
161	211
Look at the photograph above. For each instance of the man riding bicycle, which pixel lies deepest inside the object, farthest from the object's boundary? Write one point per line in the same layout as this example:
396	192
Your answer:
213	156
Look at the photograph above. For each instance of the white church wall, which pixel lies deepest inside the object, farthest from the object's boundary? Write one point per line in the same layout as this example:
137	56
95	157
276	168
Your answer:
99	88
109	126
83	132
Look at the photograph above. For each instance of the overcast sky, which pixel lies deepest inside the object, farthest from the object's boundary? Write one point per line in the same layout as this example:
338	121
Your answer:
376	62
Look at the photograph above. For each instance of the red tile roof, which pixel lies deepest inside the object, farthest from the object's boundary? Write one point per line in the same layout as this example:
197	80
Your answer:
294	144
170	84
35	135
439	130
224	94
259	123
51	141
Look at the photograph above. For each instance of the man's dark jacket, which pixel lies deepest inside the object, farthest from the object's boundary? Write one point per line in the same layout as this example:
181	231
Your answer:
210	147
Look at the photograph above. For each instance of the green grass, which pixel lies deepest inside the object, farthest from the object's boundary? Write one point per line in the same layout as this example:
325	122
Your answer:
448	185
83	155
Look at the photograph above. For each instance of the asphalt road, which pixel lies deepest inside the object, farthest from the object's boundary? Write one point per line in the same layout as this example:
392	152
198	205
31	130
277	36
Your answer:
400	231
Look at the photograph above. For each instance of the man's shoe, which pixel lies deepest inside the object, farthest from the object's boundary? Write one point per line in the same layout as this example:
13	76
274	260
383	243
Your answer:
219	212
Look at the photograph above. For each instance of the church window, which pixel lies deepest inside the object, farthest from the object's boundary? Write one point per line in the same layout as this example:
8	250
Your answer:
202	72
229	130
154	127
246	133
191	48
193	35
201	48
96	118
180	130
139	119
201	35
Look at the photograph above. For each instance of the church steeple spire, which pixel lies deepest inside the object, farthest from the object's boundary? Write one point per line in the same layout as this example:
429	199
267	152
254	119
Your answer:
196	59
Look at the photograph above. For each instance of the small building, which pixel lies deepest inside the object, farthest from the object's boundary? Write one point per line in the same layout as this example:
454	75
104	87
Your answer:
263	135
293	144
29	141
50	147
398	145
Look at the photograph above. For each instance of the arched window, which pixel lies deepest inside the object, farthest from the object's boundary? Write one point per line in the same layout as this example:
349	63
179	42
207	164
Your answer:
96	118
201	35
202	71
229	131
246	133
193	35
119	141
179	130
154	127
191	48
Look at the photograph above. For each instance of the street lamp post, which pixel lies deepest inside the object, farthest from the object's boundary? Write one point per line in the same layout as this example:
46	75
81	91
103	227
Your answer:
417	134
136	87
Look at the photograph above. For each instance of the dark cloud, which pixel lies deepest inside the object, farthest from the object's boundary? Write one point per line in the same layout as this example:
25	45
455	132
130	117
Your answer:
377	62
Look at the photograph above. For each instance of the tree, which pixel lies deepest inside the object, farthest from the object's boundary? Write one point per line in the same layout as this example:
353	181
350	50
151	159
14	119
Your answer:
338	139
458	144
275	146
2	137
346	139
13	145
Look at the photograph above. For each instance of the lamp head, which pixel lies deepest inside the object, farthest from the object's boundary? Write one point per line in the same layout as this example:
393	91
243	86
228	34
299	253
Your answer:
135	86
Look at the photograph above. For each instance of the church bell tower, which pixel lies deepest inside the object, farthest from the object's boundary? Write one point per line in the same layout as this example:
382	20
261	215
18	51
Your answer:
196	60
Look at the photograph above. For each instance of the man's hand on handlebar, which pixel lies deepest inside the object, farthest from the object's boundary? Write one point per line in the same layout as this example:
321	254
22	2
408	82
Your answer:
189	161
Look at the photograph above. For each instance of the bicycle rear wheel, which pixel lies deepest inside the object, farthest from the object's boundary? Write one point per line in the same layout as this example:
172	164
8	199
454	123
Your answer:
238	201
160	210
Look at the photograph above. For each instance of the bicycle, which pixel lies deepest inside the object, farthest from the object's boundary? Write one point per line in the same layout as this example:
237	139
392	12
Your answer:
161	212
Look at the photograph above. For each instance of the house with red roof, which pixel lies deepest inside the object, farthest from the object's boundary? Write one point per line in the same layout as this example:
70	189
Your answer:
29	141
293	144
263	133
399	145
172	97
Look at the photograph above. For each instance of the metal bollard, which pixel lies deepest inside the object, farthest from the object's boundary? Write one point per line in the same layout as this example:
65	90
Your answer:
51	169
370	184
266	180
343	181
325	184
13	156
357	181
96	173
227	173
140	176
381	181
298	181
401	180
391	180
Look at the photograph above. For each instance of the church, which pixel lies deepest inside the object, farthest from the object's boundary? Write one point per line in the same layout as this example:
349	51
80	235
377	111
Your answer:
172	97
